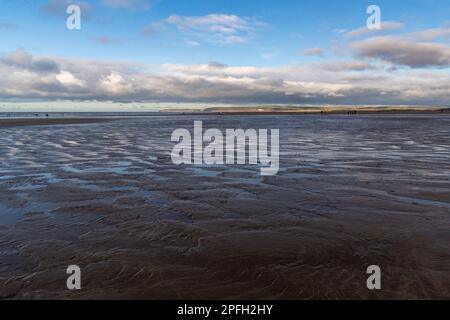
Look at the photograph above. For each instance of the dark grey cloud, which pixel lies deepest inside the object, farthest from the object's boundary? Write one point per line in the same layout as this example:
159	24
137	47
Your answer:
44	65
215	64
403	52
22	60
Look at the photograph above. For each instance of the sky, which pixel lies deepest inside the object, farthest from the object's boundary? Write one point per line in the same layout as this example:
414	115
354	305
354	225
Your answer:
225	51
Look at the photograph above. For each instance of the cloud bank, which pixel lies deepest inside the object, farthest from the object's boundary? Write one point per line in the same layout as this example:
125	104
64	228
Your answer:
23	76
387	66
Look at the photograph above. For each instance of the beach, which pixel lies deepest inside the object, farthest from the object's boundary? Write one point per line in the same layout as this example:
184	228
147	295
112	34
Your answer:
103	194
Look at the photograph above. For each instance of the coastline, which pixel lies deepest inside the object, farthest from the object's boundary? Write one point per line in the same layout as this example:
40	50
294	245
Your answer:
101	117
315	112
17	122
302	110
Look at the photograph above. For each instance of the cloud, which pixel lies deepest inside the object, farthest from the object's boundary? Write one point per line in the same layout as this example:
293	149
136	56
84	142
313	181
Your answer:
20	59
192	43
313	52
128	4
217	65
386	26
432	34
68	79
213	28
340	31
229	24
44	65
105	40
348	66
23	76
399	51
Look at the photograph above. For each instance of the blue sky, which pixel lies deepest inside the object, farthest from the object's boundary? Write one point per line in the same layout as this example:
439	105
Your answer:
234	33
291	26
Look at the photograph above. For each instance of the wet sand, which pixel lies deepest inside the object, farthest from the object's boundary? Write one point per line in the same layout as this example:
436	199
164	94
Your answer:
351	192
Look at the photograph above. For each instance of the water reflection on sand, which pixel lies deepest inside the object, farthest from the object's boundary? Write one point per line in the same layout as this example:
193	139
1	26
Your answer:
351	192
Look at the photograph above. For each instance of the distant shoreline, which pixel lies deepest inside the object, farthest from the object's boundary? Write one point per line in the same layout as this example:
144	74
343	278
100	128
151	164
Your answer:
100	117
299	110
334	112
17	122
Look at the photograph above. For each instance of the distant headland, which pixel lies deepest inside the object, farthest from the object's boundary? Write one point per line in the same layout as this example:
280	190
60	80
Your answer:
325	109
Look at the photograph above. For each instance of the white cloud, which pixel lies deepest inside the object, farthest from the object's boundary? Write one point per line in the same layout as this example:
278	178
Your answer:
66	78
212	28
222	23
313	52
432	34
115	84
192	43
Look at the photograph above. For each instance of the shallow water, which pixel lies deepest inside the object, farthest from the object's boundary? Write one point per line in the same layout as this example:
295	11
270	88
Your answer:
351	192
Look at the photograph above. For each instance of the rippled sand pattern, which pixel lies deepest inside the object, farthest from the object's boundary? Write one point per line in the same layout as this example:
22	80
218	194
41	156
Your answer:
351	192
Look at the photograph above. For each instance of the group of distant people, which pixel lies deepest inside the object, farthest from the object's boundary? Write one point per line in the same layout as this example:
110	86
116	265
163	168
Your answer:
348	112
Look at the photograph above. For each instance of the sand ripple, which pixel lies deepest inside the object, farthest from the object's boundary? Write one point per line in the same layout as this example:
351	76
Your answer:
352	191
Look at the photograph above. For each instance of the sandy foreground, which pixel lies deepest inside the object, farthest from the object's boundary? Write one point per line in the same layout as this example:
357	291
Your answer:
351	192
